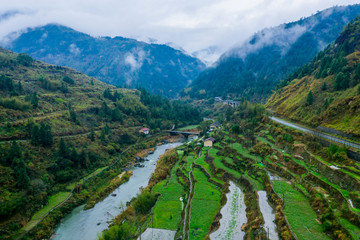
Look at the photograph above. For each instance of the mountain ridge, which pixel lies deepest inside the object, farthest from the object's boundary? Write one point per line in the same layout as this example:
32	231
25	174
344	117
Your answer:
326	91
119	61
270	55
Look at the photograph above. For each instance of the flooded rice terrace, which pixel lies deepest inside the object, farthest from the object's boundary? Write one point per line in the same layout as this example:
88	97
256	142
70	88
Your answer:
233	216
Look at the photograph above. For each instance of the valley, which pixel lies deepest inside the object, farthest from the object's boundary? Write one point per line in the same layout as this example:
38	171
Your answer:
141	141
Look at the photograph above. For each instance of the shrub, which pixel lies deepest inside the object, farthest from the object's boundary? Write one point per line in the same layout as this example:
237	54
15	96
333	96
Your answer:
144	202
68	80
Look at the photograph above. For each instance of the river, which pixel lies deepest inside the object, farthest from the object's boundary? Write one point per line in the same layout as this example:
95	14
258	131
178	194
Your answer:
87	224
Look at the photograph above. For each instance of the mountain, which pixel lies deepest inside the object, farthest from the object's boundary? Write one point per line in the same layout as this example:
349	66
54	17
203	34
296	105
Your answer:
326	91
58	125
118	61
254	68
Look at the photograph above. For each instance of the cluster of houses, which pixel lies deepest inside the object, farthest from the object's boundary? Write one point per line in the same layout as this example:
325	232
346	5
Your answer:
209	142
231	103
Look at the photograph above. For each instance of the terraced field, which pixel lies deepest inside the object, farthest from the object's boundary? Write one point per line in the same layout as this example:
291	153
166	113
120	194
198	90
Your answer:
204	206
299	213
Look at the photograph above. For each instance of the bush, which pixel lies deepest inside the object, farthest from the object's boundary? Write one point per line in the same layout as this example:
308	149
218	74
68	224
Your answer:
119	232
68	80
144	202
12	103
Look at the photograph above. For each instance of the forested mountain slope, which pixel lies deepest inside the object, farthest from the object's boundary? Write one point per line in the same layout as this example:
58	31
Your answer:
58	125
118	61
326	91
254	68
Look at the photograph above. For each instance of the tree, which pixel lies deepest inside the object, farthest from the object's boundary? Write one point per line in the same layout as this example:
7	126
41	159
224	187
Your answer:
310	98
116	115
73	117
34	100
235	129
41	135
24	59
341	81
20	87
69	80
22	178
83	159
45	135
14	152
92	135
35	135
63	150
323	86
228	114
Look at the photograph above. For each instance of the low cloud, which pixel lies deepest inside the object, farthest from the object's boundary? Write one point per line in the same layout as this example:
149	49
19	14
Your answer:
74	49
193	25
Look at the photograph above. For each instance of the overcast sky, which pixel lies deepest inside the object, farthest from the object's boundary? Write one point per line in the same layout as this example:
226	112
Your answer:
191	24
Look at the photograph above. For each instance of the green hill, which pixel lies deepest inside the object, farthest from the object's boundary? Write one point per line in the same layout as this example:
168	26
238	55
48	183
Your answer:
326	91
58	126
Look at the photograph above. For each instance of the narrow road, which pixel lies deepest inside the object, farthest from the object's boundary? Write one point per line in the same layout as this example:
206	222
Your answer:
316	133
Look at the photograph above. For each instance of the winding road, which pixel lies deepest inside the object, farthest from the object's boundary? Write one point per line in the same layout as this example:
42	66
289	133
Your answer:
316	133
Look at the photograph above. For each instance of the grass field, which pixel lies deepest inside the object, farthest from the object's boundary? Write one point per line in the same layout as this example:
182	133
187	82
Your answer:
301	217
167	211
188	127
204	206
53	202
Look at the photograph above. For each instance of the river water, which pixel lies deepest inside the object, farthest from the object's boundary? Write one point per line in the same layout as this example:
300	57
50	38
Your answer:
87	224
233	216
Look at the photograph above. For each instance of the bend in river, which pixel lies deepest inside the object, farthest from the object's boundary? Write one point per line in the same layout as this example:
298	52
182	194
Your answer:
81	224
233	215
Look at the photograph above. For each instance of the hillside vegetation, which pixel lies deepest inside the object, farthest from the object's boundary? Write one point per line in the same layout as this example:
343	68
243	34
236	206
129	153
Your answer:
254	68
326	91
58	126
118	61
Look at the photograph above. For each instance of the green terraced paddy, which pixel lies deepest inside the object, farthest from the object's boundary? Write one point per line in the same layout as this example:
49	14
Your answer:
219	164
301	217
167	211
204	205
238	147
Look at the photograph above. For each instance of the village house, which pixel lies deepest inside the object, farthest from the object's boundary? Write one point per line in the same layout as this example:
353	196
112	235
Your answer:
209	142
214	126
144	131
